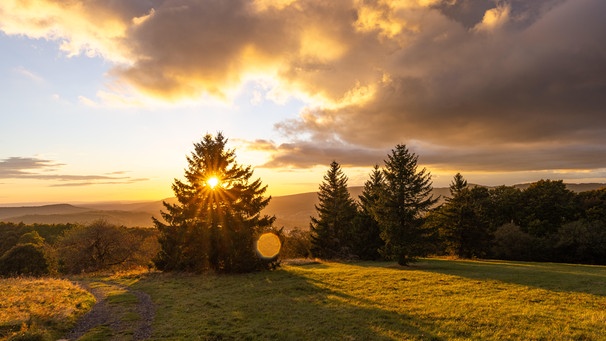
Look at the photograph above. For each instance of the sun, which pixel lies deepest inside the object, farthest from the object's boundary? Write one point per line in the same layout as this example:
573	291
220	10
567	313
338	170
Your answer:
212	182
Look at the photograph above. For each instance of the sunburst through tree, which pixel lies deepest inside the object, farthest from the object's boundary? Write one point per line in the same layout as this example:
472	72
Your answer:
217	220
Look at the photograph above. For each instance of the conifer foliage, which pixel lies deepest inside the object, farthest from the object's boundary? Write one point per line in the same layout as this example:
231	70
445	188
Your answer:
464	226
366	238
217	220
405	199
330	231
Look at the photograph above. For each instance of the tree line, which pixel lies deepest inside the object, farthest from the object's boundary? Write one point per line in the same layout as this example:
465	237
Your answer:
217	223
53	249
395	218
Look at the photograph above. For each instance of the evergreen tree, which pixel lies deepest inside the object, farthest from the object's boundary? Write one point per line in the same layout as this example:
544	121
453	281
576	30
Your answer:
366	237
464	226
336	209
457	185
404	202
217	218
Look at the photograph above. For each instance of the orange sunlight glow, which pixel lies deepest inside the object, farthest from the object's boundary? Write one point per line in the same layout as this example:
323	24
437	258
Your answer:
212	182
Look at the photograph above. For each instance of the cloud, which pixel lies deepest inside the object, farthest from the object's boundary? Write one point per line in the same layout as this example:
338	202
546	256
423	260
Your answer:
41	169
470	84
15	167
302	154
525	98
29	74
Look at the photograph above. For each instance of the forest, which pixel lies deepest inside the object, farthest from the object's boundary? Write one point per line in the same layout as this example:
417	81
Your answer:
53	249
544	222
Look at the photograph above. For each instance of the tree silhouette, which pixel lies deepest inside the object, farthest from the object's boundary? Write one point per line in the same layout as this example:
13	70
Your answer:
463	222
215	224
336	212
547	206
405	200
366	237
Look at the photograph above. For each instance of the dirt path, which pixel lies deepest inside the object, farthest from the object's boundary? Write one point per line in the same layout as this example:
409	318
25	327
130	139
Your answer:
127	313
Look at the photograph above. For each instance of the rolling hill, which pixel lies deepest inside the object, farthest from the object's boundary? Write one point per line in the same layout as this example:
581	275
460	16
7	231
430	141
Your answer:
291	211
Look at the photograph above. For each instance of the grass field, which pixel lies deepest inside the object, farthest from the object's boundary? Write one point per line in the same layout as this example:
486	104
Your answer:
431	300
40	307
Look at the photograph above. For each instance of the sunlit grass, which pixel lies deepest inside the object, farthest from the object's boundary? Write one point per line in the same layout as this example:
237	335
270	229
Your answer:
40	306
434	299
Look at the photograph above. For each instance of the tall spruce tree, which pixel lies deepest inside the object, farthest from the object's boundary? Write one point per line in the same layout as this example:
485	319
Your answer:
366	237
464	225
405	200
215	224
336	210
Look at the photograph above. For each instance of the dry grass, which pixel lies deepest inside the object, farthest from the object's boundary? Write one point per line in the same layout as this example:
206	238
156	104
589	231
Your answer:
45	306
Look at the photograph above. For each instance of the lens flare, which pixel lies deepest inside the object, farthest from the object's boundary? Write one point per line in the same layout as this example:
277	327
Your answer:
268	245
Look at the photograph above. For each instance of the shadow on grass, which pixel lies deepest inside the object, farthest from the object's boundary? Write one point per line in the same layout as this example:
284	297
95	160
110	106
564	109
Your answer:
551	276
279	305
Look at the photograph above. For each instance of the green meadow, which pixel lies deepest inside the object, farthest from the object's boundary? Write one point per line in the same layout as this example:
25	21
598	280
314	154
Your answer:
433	299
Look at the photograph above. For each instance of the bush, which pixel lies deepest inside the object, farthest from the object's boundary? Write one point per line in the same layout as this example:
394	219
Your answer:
511	243
27	260
297	244
581	242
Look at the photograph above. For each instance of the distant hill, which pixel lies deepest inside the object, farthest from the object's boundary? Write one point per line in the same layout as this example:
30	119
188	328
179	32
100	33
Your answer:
121	218
290	210
65	213
7	212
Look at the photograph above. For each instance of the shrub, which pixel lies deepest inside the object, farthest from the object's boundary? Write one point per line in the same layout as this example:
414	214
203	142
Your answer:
511	243
297	244
27	259
581	242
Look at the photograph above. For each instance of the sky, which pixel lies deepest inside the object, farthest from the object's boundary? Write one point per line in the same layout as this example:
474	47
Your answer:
101	100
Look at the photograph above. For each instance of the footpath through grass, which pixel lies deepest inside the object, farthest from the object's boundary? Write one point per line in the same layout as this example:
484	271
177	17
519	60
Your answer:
432	300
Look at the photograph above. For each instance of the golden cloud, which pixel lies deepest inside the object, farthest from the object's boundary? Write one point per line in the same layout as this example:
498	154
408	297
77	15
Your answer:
374	73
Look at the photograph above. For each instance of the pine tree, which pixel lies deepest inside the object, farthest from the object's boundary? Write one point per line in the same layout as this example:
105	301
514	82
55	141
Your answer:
366	237
457	185
217	218
404	202
336	212
464	226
